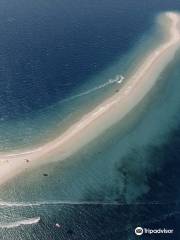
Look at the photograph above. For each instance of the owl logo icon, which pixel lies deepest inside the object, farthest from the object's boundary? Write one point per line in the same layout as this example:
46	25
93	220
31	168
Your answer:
139	231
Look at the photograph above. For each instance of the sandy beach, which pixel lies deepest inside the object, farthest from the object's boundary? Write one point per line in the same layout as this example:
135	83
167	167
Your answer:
104	115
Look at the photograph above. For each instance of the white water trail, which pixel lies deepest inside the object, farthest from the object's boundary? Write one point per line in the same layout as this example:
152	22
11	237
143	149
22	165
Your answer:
118	79
28	221
45	203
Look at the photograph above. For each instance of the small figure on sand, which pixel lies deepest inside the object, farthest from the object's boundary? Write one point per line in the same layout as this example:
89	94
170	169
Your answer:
45	174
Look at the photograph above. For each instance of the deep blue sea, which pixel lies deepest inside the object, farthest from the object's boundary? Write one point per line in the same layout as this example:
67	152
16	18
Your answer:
51	54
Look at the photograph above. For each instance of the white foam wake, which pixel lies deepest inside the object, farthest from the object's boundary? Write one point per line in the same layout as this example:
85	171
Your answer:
28	221
45	203
117	79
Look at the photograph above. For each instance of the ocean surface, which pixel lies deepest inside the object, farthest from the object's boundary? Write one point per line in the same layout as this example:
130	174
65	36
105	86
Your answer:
59	59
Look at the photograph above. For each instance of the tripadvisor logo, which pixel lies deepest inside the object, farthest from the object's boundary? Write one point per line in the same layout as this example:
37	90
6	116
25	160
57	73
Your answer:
139	231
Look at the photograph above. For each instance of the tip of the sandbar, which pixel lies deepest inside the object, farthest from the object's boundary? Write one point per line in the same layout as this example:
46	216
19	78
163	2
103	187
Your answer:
172	14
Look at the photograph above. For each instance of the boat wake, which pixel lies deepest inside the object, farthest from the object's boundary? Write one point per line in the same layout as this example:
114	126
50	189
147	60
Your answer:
45	203
118	79
28	221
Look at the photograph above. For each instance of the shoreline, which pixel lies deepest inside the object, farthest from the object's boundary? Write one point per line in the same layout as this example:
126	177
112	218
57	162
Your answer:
104	115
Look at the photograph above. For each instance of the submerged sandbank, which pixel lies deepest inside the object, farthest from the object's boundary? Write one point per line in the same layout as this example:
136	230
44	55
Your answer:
104	115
